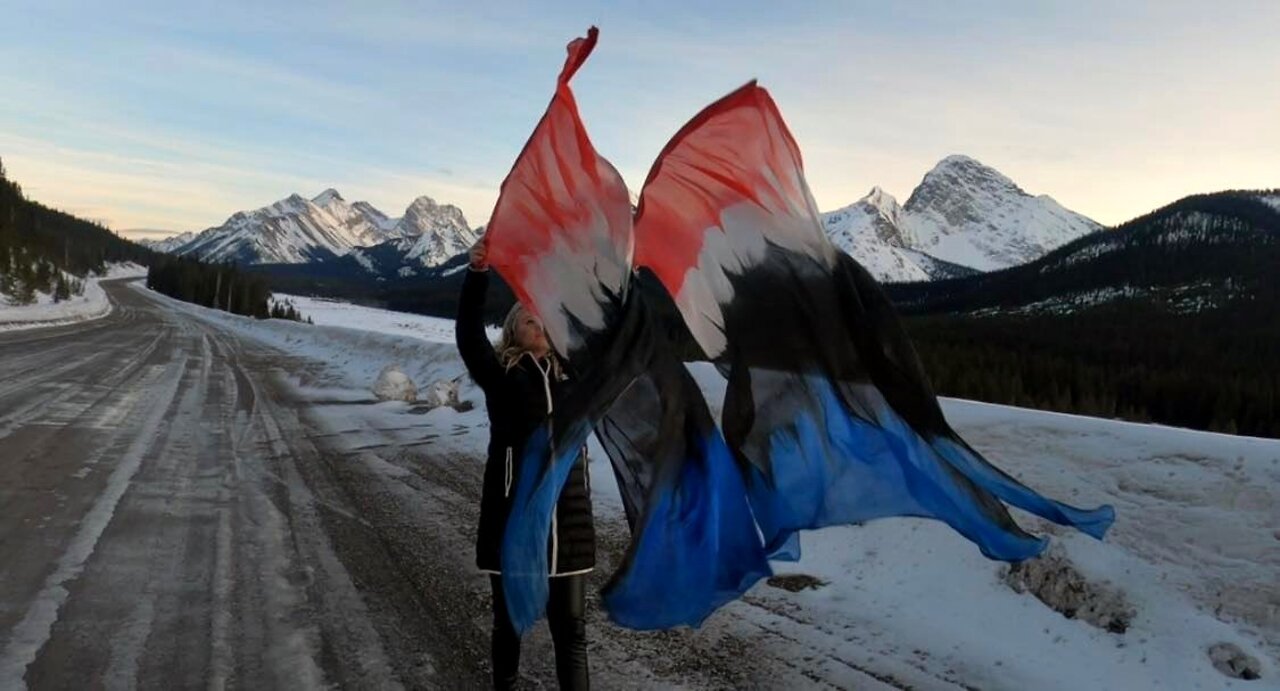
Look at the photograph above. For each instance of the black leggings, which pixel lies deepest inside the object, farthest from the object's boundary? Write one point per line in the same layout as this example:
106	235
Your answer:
566	615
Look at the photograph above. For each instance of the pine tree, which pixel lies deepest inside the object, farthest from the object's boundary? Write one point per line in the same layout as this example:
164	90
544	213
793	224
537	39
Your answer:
43	278
6	273
61	288
24	291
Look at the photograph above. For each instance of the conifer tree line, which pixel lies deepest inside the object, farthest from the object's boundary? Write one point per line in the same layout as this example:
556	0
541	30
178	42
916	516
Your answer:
1186	335
23	275
48	251
285	309
1215	370
219	286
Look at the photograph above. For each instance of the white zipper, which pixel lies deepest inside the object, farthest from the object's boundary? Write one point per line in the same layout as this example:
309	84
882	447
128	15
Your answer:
506	491
555	542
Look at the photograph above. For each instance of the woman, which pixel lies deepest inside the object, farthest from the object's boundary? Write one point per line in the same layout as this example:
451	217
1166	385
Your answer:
522	381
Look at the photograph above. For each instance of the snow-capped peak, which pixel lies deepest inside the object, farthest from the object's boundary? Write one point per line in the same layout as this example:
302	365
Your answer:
958	173
292	230
293	203
170	243
962	212
868	231
968	213
423	202
296	230
441	231
327	197
876	213
881	199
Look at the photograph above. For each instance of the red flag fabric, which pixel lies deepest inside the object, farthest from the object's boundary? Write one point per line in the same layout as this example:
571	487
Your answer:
728	183
560	233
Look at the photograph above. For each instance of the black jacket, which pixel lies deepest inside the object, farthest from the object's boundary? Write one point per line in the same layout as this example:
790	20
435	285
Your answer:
517	399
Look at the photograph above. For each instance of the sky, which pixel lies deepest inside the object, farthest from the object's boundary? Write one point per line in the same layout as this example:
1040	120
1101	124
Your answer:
155	118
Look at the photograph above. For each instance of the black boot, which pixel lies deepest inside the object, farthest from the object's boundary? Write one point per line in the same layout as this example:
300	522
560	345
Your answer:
505	648
566	613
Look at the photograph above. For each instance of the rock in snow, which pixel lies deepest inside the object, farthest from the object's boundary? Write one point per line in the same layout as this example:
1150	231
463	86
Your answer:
1229	659
443	392
1053	579
394	385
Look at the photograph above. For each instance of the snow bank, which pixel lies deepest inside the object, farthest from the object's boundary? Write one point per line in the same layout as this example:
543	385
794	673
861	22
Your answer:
326	312
423	347
93	304
1193	558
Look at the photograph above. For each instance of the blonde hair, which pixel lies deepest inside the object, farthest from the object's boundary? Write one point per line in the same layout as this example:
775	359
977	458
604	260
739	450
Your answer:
509	349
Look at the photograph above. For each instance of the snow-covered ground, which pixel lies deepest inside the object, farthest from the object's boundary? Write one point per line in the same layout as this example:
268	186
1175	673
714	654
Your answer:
327	312
1195	550
45	312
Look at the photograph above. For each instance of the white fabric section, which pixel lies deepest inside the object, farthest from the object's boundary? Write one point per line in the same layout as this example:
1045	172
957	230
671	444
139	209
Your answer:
595	253
738	244
568	280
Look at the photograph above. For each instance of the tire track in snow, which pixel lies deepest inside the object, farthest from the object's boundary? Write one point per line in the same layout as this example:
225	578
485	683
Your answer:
168	542
344	620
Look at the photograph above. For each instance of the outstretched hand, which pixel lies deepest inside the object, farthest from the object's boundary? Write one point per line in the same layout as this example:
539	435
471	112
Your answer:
479	256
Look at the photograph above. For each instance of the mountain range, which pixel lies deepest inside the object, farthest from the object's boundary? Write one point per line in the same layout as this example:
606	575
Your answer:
963	218
296	230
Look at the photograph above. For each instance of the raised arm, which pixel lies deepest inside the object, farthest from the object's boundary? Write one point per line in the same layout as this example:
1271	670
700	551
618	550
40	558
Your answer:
473	344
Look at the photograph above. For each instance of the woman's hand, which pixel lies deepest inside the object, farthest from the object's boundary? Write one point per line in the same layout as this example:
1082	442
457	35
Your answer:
479	256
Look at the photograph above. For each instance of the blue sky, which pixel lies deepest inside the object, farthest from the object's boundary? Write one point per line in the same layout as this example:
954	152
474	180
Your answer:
174	115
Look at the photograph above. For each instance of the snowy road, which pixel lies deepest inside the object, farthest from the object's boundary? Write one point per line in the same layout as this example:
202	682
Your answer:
174	514
166	522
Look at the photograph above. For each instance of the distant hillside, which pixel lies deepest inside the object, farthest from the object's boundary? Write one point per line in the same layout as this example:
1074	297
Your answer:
38	244
431	291
1203	250
1171	317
